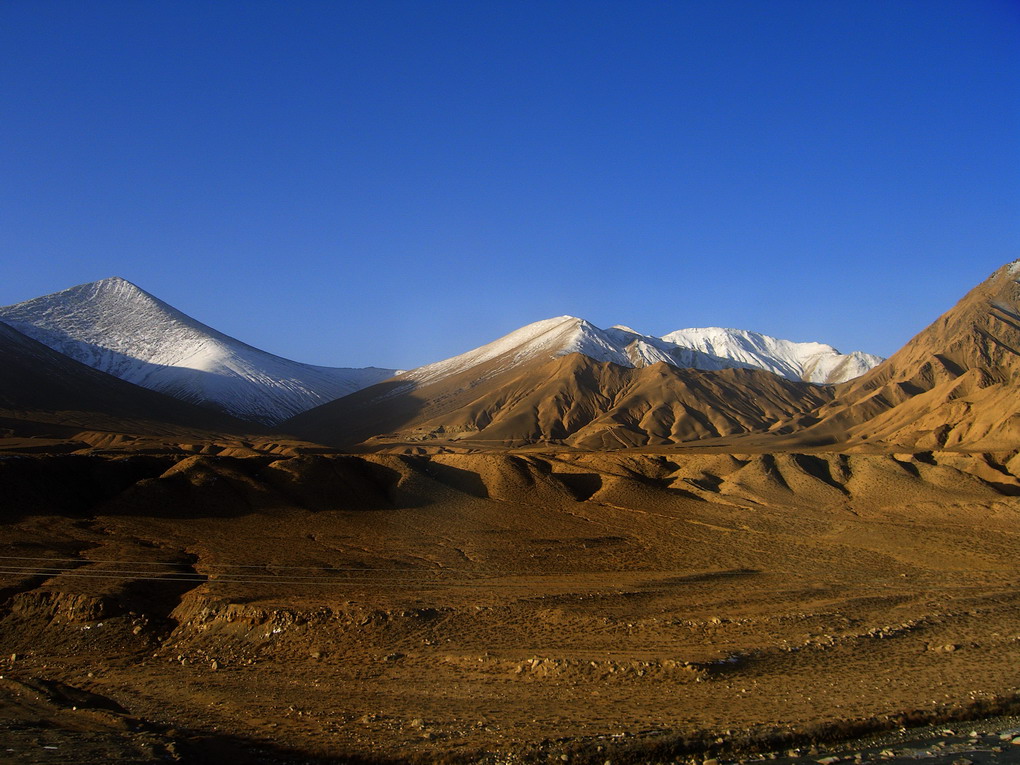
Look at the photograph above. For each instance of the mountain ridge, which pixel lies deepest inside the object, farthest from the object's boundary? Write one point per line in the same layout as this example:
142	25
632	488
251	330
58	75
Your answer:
956	384
560	381
42	389
569	400
708	348
116	327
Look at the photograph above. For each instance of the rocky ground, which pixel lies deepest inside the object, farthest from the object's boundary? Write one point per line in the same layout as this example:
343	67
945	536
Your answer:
497	608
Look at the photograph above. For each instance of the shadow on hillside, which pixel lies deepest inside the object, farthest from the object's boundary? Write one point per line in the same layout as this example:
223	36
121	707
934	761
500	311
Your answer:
467	481
85	486
344	423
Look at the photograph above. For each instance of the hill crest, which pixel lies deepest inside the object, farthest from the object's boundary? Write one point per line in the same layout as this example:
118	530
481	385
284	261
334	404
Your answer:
118	328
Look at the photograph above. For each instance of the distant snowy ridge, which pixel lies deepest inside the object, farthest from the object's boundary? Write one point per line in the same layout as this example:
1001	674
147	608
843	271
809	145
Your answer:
118	328
811	362
706	348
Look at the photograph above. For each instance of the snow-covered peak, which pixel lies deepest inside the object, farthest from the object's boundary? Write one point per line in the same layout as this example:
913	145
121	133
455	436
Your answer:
121	329
813	362
549	337
702	348
110	284
117	327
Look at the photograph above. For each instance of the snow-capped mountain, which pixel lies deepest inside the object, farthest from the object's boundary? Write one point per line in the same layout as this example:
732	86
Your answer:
708	348
115	327
43	392
811	362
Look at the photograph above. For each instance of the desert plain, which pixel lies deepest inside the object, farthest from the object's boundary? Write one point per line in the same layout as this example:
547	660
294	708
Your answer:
637	605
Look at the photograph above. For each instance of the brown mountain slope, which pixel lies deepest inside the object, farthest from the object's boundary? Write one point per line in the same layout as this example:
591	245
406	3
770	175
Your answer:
44	393
954	385
570	400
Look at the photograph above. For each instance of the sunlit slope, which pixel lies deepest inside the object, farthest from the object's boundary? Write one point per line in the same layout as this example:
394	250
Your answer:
954	385
38	384
706	348
571	400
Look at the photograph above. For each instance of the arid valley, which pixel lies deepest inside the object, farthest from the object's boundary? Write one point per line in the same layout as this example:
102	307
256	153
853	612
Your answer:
634	605
585	562
517	382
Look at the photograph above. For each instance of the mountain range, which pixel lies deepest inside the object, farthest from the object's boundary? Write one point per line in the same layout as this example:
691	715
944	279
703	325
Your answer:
559	382
118	328
709	348
563	381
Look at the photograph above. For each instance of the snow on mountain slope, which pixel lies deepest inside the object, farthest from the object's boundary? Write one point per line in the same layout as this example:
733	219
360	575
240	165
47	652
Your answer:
43	389
812	362
707	349
115	327
550	337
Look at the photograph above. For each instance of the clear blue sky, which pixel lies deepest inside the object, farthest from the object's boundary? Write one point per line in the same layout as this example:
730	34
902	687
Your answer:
391	183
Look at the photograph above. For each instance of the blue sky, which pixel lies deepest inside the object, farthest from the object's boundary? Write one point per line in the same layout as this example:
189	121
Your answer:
391	183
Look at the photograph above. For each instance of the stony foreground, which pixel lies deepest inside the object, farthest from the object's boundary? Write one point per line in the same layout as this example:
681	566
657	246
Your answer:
620	606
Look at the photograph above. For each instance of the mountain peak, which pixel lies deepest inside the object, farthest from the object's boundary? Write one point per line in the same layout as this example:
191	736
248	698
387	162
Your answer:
109	285
117	327
811	361
117	285
1013	268
709	348
95	304
955	384
115	281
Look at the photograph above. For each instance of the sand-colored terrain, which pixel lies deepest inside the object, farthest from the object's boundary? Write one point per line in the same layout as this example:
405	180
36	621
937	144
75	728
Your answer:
569	400
562	559
606	606
955	385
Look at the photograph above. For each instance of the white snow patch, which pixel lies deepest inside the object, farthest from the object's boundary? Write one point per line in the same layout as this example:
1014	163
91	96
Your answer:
115	327
700	348
812	362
